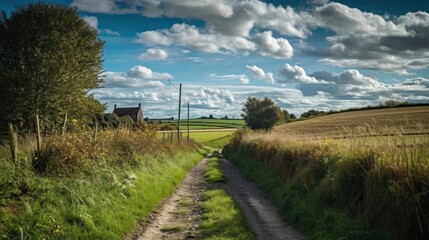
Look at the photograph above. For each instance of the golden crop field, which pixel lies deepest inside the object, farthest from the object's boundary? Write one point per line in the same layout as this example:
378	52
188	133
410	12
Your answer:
404	120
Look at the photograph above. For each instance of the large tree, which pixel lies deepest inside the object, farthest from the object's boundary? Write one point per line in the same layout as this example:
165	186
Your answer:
49	59
261	113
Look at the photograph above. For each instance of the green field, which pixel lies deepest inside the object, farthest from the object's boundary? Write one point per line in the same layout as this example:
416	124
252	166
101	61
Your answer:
212	139
198	124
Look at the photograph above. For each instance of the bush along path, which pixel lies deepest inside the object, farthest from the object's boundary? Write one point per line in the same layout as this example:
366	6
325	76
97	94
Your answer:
215	202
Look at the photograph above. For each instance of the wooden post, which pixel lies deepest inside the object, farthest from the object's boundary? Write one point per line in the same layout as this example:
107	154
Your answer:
163	138
39	139
189	139
13	143
64	126
178	117
96	130
171	137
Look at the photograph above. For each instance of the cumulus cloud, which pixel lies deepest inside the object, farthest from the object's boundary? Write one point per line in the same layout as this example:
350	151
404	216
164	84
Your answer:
419	81
210	98
137	76
147	74
191	37
244	79
367	40
296	74
352	85
227	17
259	73
154	54
273	47
103	6
92	21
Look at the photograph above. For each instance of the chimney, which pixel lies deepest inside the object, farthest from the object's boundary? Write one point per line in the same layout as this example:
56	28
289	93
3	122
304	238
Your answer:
140	105
114	107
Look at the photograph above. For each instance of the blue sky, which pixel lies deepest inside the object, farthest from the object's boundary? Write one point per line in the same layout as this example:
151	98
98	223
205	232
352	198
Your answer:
302	54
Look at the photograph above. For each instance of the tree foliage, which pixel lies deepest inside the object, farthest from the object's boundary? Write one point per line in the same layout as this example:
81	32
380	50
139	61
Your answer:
312	113
49	59
261	113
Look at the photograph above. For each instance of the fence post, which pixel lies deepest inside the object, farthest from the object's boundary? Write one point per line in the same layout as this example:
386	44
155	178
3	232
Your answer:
64	125
171	137
39	140
96	130
13	143
163	138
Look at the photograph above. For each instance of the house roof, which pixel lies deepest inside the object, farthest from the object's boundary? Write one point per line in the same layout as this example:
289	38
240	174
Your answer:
126	111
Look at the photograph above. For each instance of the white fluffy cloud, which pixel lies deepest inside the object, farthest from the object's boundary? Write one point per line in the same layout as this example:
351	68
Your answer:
210	98
270	46
260	73
353	85
154	54
137	76
92	21
147	74
227	17
367	40
244	79
296	74
191	37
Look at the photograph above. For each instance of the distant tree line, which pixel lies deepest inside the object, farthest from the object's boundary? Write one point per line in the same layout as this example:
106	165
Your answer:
263	114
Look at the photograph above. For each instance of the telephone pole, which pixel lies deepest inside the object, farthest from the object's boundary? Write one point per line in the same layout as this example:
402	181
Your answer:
178	117
188	125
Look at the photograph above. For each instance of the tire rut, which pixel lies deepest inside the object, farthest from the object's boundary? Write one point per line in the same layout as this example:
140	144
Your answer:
259	211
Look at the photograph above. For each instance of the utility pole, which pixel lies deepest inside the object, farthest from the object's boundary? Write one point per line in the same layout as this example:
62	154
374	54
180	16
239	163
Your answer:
178	117
188	124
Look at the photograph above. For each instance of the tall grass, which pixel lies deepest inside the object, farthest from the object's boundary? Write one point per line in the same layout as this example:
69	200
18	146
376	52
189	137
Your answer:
79	188
383	181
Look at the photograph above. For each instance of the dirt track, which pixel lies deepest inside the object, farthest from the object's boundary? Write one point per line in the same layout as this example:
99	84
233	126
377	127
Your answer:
179	216
261	214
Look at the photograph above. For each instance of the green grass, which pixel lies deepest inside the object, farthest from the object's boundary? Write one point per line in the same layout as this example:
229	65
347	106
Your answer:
222	219
212	172
203	137
105	204
199	124
306	211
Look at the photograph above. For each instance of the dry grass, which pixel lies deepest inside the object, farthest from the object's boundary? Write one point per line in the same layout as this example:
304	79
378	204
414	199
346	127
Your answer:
343	160
405	120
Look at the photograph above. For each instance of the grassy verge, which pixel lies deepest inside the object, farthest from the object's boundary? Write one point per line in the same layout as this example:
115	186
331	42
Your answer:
331	190
212	172
304	210
222	219
64	192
